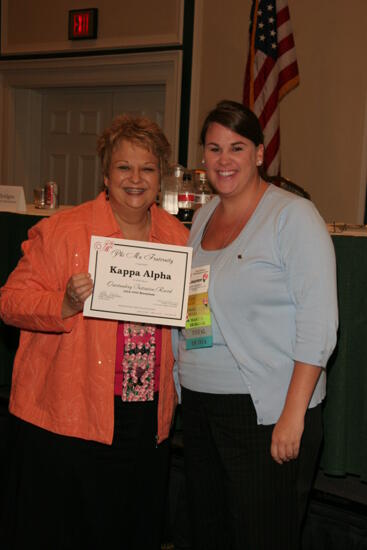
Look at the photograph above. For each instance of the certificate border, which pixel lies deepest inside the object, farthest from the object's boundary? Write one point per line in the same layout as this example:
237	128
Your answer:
153	317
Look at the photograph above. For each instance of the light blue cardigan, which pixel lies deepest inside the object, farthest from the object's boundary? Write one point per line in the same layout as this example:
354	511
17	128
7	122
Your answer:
274	297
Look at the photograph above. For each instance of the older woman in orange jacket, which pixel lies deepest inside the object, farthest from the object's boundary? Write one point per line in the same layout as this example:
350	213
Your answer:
88	468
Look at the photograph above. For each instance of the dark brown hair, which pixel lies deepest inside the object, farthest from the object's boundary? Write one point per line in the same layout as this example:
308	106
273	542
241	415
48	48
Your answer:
237	118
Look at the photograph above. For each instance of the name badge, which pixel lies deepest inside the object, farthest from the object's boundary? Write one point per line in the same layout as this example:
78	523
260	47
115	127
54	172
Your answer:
198	328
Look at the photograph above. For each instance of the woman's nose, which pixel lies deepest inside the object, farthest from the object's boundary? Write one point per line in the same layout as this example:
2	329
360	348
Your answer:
224	158
135	176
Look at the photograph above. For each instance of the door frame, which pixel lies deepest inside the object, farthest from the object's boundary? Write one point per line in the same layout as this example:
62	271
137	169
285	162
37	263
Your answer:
21	80
362	196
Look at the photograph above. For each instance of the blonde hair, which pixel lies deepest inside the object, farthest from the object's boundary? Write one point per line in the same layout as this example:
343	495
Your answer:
138	130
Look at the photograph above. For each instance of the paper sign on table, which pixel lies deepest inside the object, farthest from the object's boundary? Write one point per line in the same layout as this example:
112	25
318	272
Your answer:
12	198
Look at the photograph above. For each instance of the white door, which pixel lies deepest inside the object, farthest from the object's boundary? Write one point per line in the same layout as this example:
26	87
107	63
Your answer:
72	120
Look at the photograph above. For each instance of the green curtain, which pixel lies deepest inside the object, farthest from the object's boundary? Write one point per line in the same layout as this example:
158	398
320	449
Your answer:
345	411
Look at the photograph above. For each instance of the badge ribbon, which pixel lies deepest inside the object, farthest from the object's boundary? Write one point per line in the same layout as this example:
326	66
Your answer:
198	329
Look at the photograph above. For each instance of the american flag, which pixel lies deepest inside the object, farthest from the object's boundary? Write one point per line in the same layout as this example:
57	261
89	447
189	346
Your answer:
271	71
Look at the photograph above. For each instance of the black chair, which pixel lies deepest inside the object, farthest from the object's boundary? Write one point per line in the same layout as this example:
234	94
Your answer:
288	185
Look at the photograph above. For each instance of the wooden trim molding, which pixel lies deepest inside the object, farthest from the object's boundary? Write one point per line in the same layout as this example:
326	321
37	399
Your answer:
171	35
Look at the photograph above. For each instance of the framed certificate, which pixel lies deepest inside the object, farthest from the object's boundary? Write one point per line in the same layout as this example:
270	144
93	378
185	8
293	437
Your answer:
139	281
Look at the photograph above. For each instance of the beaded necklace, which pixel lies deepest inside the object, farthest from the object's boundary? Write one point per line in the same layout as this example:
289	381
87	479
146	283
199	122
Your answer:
139	362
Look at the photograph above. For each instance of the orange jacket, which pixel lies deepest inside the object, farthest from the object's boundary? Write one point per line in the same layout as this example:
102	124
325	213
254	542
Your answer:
63	375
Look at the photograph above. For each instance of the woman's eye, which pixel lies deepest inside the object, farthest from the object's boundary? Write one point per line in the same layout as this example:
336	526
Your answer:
149	169
214	149
237	148
123	167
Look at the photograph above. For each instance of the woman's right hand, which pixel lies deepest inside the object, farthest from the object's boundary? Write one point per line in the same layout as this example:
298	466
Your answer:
78	288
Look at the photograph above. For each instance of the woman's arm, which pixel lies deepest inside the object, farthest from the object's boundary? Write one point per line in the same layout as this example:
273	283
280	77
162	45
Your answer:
38	293
287	433
308	258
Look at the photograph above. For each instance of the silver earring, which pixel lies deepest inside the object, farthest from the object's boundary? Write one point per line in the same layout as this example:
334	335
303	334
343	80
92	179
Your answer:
202	161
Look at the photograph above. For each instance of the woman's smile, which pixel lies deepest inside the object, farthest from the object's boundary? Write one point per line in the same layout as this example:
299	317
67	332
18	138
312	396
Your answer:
133	190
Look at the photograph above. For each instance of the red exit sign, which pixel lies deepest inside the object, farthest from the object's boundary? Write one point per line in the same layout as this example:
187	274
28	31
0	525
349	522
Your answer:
83	23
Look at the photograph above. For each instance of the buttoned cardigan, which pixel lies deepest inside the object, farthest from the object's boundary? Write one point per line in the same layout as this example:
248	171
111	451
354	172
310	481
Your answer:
274	296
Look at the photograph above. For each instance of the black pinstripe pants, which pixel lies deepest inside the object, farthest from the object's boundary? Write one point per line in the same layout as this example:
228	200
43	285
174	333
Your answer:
239	497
